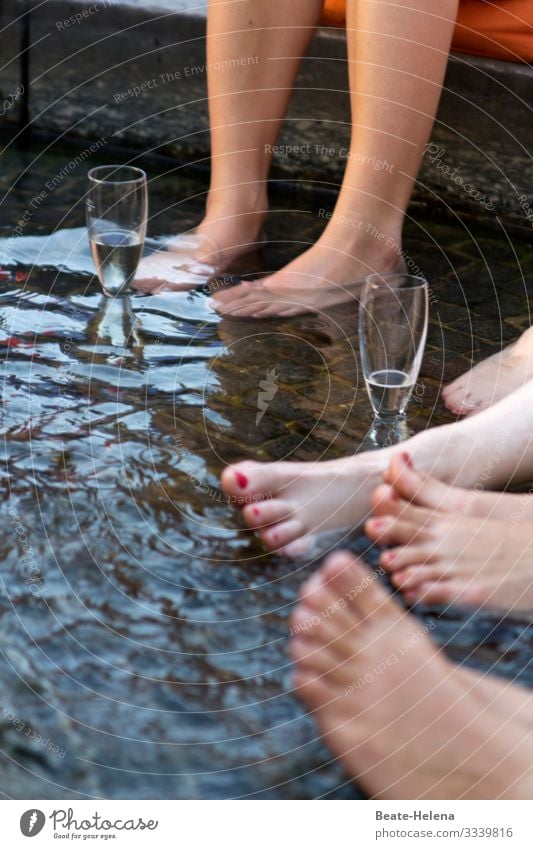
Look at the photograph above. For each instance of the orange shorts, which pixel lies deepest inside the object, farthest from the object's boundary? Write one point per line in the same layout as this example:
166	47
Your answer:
502	29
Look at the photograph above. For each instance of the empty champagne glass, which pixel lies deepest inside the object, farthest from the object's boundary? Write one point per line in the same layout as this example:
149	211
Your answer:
393	322
117	211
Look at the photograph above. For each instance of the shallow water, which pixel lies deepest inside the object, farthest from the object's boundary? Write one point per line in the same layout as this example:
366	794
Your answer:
143	632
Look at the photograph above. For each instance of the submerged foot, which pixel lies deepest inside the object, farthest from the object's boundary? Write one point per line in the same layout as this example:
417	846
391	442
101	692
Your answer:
403	720
192	259
492	379
442	556
329	273
189	261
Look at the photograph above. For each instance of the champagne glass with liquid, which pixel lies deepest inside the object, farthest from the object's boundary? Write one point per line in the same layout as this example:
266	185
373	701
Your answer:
117	211
393	323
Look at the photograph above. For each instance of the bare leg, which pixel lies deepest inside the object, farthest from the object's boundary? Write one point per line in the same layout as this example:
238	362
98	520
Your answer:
253	53
405	721
427	491
398	55
286	501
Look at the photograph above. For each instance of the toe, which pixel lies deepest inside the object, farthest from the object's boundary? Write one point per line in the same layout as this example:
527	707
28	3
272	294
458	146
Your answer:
249	480
359	586
300	547
262	514
237	297
312	688
322	614
471	593
385	501
439	592
276	537
413	486
401	558
319	657
407	579
388	530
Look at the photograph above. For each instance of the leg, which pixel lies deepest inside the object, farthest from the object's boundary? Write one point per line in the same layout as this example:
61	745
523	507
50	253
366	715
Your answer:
492	379
286	501
397	60
247	104
253	53
405	722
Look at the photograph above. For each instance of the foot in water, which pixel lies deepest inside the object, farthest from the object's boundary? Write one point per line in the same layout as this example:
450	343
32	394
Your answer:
404	721
285	502
425	490
450	547
191	260
330	272
492	379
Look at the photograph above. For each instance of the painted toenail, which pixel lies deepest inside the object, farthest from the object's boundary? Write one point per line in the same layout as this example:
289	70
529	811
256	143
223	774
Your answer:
242	480
407	459
376	524
256	511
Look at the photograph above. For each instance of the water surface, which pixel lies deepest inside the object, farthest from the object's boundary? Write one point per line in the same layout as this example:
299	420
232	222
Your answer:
143	631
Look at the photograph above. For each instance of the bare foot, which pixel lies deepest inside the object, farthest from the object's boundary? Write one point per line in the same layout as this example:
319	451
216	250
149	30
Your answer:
330	272
492	379
301	498
444	557
188	262
191	260
425	490
288	501
404	721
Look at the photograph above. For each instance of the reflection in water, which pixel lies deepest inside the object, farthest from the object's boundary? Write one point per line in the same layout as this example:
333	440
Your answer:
157	635
115	326
383	434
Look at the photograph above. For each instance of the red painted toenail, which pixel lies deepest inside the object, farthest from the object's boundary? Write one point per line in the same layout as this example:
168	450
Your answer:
242	480
256	511
407	460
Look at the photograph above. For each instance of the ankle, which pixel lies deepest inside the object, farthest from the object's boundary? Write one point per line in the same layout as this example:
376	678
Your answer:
375	243
248	200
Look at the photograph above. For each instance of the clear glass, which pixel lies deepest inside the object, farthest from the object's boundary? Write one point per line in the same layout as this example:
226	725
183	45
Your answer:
117	211
393	322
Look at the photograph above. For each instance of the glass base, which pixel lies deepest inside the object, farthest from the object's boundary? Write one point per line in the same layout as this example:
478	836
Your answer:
386	432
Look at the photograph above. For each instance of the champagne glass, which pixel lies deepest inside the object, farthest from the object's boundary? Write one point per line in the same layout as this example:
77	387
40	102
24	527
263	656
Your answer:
117	211
393	322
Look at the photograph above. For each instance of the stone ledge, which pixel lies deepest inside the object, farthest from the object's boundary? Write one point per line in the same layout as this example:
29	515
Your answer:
11	84
135	74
